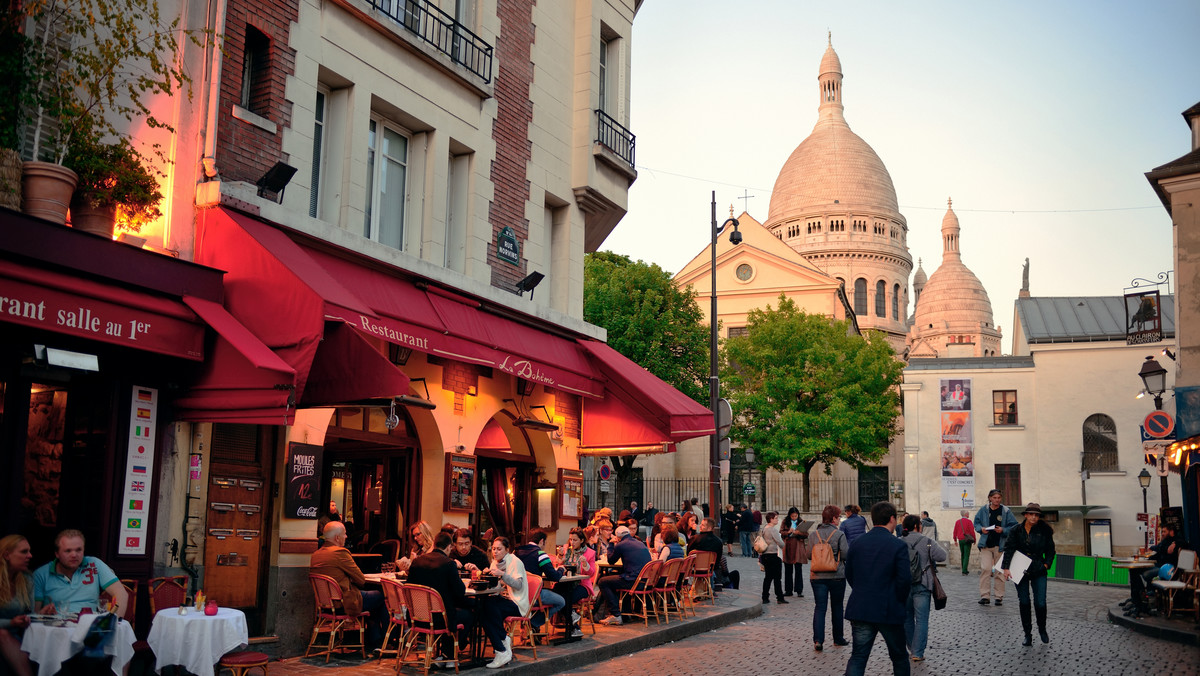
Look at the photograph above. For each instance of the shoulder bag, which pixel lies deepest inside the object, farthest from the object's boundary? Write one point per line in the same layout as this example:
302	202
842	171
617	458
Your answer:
939	594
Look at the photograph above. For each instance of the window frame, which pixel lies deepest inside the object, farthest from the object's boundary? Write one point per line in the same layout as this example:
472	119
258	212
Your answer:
1103	459
1000	408
378	126
881	299
860	309
320	124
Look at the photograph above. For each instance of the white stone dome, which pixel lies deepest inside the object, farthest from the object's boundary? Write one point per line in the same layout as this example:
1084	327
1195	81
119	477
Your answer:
832	169
953	298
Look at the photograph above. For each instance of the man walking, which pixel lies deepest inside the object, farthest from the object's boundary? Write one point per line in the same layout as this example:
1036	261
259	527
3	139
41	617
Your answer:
746	529
929	527
964	537
877	570
993	522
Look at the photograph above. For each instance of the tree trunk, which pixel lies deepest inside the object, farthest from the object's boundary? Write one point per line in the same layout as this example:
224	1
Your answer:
622	479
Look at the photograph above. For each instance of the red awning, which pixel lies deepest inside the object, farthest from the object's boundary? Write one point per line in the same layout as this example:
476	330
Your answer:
348	368
611	428
283	288
68	304
668	414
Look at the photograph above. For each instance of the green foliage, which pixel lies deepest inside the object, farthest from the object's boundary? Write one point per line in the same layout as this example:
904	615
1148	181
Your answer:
803	391
113	174
648	319
89	63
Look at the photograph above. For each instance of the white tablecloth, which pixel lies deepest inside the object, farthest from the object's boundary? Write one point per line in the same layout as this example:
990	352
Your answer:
196	641
51	646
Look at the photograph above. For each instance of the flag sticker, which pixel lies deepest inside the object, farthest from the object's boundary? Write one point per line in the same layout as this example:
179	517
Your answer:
133	541
144	395
136	505
141	431
141	450
133	523
139	469
137	487
143	413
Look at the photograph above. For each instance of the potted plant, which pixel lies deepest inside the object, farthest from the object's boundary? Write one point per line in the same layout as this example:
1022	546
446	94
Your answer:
115	186
88	65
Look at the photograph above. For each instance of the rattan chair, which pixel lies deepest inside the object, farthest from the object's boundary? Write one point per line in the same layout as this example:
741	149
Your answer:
241	662
397	608
332	618
523	624
702	577
424	605
684	589
1182	580
642	592
167	592
667	586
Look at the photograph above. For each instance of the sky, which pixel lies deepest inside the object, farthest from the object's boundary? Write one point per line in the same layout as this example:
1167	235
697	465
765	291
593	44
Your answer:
1039	119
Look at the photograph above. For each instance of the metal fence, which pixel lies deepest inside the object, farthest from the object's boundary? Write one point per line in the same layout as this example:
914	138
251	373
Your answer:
443	32
615	137
777	493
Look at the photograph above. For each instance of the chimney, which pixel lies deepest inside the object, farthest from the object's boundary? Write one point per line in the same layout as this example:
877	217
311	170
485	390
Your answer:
1192	115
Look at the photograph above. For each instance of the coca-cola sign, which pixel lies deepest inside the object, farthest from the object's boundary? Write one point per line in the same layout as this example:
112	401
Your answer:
303	476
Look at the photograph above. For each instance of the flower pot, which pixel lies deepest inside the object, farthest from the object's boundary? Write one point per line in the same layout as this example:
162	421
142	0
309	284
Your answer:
98	220
47	189
10	179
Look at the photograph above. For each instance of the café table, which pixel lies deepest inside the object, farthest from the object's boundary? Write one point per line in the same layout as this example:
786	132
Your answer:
566	589
196	641
51	645
478	638
375	578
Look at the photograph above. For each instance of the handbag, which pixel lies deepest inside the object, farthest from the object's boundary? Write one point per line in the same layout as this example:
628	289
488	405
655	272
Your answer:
939	594
760	544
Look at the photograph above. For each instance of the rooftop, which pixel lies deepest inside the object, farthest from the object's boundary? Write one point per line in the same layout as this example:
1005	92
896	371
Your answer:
1072	319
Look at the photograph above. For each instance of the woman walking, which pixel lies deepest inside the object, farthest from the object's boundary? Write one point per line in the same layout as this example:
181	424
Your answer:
829	587
795	553
1033	538
769	558
729	521
916	618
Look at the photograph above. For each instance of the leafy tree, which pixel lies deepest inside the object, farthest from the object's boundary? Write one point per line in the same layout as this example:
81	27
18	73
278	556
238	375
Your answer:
650	321
805	390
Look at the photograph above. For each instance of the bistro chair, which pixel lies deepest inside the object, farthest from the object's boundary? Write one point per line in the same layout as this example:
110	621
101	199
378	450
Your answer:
393	599
1182	579
240	663
642	592
702	576
332	618
390	549
518	624
424	606
167	592
667	586
684	588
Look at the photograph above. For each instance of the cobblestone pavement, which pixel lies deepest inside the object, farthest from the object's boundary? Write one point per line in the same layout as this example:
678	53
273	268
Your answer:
780	642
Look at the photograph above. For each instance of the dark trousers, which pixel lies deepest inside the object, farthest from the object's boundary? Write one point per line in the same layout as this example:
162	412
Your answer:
825	591
609	586
492	612
1138	580
863	637
774	568
793	578
372	602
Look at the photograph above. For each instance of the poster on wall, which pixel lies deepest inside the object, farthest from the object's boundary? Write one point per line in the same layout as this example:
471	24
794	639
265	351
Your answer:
460	482
570	486
957	449
302	472
139	472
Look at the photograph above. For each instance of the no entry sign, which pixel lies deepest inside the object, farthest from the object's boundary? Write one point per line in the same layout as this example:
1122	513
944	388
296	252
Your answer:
1159	424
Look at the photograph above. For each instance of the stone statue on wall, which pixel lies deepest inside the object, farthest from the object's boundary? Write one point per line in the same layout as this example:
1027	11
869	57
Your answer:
1025	276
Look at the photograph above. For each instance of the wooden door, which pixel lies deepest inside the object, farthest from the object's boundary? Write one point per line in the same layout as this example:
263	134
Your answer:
234	541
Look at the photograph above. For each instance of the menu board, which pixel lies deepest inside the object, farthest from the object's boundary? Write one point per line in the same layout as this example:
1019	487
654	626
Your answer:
460	483
570	486
303	476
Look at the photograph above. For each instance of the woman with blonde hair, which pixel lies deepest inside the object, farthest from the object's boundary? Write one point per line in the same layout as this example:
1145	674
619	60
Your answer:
421	539
16	601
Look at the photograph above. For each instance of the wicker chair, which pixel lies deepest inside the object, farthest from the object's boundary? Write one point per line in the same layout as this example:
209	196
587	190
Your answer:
702	577
523	624
667	586
332	618
424	605
167	592
1181	581
642	592
397	608
685	588
241	662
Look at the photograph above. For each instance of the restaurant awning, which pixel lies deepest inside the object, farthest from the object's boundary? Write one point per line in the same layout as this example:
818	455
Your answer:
640	413
284	289
343	352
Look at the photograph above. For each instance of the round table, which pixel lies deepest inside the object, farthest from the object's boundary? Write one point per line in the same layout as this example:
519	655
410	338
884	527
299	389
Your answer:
196	641
50	646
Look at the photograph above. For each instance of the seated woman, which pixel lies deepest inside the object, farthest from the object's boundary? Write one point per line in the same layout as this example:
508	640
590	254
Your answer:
513	603
421	542
16	601
584	559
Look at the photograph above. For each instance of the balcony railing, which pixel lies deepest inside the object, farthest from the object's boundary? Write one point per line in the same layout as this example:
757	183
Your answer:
443	32
613	136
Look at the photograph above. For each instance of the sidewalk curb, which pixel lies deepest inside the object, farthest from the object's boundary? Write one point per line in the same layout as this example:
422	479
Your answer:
1155	629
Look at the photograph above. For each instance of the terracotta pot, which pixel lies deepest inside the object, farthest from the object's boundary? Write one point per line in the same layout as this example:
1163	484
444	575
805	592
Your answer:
47	189
10	179
96	220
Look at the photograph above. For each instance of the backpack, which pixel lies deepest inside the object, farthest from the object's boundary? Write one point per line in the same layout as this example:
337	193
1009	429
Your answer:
821	558
914	564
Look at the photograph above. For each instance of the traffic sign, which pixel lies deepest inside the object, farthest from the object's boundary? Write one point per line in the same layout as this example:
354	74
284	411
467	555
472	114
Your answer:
724	418
1159	424
605	472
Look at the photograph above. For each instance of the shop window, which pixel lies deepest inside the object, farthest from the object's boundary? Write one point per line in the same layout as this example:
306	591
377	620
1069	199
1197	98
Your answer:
1004	407
1008	482
1099	443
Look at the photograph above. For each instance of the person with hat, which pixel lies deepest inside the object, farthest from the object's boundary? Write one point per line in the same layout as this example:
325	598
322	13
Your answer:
1033	538
633	555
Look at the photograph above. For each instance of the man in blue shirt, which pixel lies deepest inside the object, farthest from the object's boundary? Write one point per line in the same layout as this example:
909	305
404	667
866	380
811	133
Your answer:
633	555
538	562
73	581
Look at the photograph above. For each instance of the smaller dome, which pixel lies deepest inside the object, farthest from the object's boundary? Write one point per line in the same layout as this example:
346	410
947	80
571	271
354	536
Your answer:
830	63
919	277
950	220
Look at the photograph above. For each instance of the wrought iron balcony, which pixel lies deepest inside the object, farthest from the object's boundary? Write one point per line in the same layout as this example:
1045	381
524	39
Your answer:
443	32
613	136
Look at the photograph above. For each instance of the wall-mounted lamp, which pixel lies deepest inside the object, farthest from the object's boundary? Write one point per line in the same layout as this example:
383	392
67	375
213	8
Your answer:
473	390
275	180
530	283
414	401
1166	352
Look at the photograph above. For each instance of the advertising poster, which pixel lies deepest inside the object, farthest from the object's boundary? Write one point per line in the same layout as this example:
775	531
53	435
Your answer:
139	472
957	449
303	476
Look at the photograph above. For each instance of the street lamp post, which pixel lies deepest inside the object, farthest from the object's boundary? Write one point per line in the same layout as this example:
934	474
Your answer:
714	385
1154	377
1144	479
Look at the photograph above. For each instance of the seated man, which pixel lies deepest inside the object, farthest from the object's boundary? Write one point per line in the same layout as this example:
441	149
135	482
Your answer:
1166	551
439	572
334	560
465	554
72	581
708	541
538	562
633	556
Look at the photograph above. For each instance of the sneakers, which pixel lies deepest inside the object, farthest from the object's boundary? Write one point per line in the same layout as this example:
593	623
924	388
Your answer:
999	602
508	645
612	621
918	658
841	643
574	617
502	658
576	632
984	602
817	646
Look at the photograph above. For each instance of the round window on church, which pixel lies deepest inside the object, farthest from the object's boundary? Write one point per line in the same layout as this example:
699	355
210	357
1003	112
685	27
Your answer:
744	272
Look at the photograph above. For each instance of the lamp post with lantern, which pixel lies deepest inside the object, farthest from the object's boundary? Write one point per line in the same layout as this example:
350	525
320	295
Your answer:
714	384
1154	377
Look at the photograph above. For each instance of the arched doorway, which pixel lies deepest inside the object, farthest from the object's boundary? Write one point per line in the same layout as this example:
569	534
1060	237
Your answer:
507	472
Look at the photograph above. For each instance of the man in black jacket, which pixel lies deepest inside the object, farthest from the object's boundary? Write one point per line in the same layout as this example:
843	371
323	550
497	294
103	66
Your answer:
746	528
647	519
708	541
466	554
877	571
439	572
1166	551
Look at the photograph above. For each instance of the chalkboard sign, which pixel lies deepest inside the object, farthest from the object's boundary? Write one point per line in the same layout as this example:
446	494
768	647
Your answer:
303	475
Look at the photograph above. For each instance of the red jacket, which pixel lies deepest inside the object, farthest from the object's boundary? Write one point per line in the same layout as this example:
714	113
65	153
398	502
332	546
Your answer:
964	529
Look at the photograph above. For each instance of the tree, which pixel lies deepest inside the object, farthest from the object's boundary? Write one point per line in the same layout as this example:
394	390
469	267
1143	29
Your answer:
805	390
650	321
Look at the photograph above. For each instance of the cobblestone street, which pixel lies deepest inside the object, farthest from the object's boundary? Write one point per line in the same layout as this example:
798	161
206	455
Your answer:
780	642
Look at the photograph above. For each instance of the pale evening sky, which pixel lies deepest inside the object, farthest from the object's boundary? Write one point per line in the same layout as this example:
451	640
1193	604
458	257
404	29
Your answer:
1038	118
